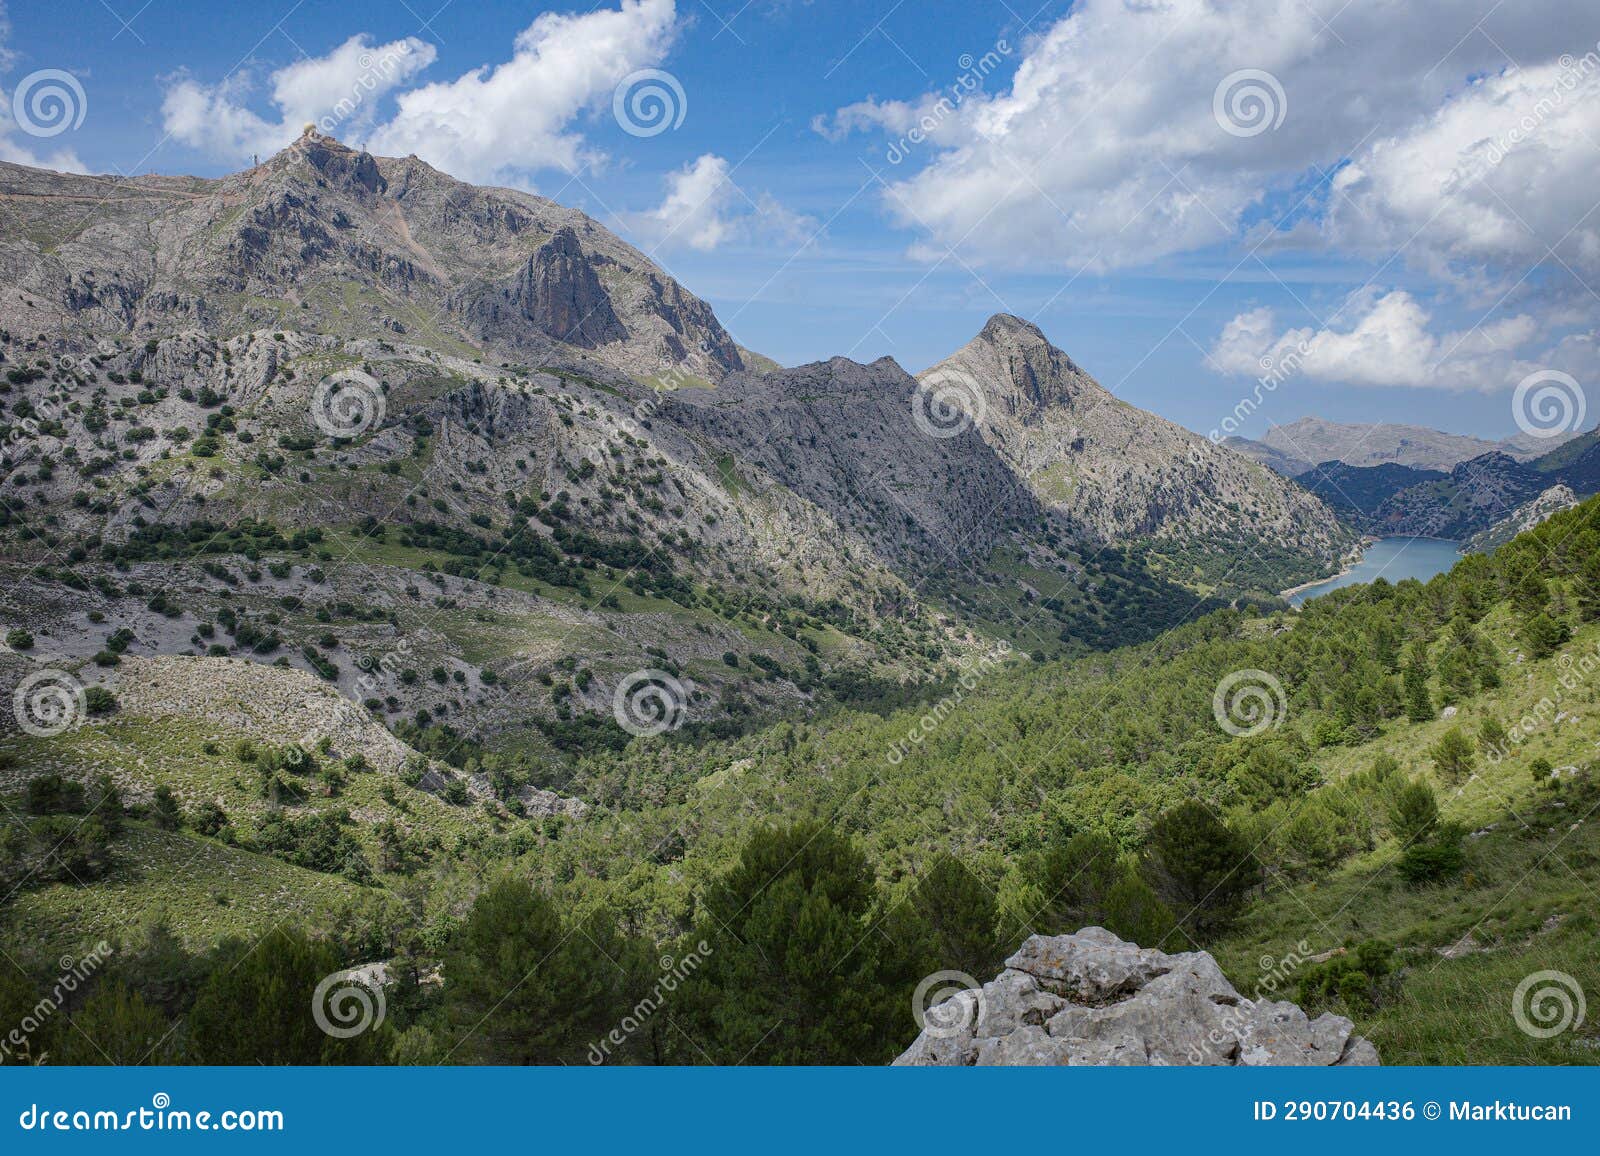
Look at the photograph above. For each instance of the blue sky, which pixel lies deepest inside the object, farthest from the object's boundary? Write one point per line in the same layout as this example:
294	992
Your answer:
1388	206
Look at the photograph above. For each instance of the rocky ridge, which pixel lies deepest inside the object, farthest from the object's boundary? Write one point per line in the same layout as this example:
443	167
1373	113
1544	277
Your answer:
1094	999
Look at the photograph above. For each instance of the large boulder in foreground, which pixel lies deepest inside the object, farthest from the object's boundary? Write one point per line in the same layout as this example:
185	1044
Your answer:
1092	998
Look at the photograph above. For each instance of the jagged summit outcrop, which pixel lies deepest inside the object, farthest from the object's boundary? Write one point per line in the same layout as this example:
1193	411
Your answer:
351	244
1094	999
1114	470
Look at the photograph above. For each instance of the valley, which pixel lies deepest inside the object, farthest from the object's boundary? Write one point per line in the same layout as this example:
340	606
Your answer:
410	576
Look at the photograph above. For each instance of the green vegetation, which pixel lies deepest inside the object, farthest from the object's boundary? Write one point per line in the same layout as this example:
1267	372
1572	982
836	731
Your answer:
1411	815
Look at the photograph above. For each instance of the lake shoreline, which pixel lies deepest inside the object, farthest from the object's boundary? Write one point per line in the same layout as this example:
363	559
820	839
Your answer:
1356	557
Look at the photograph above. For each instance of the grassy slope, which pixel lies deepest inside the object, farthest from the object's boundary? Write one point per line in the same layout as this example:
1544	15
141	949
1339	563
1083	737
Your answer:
1525	903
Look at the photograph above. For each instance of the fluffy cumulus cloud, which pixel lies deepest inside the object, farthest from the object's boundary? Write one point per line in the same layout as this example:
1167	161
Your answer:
497	122
517	115
339	93
1389	339
1497	180
1117	141
703	209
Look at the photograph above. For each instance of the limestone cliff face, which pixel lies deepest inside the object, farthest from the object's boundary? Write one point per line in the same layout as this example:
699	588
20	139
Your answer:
1092	998
844	436
1115	471
328	239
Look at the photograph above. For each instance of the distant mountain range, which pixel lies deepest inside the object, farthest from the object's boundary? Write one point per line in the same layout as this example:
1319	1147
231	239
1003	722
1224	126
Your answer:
1400	479
1294	448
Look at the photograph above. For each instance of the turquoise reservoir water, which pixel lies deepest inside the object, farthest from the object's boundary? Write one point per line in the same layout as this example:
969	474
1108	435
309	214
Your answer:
1394	559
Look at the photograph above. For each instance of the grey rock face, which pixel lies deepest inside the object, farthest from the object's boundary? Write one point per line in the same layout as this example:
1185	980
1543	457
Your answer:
1116	472
1091	998
351	243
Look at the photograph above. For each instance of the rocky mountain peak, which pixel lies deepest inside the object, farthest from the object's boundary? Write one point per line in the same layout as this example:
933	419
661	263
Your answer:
1117	471
1007	327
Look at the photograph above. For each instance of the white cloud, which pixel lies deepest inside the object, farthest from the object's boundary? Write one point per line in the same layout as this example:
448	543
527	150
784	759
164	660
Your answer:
1490	183
704	209
516	117
1106	151
1389	340
339	92
496	122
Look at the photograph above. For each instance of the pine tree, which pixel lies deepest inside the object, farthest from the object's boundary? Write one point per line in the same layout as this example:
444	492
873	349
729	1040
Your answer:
256	1007
116	1026
798	972
1199	868
523	988
1413	812
1419	703
1453	755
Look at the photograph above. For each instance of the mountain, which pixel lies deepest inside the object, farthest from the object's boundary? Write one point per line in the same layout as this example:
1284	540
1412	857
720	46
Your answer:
1116	472
1294	448
386	381
322	238
1481	492
1357	492
1525	517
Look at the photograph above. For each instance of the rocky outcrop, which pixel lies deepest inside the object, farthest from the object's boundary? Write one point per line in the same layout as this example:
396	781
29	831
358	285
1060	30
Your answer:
1524	518
1092	998
1114	470
560	294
